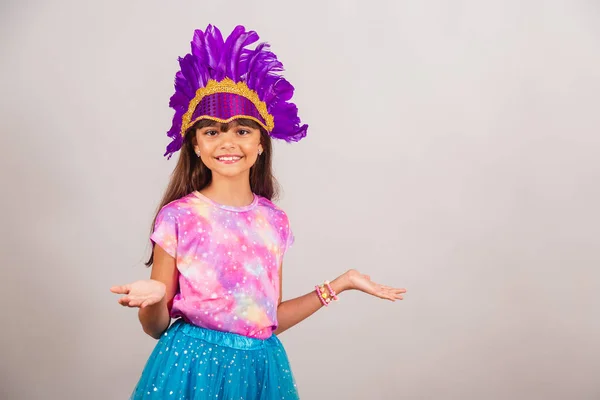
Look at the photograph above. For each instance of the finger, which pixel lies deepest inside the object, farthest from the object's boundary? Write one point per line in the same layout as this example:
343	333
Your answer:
394	290
135	303
124	289
118	289
127	301
393	295
403	290
385	296
396	295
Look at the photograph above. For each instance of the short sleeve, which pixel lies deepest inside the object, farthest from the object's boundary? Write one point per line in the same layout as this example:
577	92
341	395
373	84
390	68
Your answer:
289	240
165	231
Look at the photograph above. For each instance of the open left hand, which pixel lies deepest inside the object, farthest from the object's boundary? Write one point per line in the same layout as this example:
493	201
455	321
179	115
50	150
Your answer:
364	283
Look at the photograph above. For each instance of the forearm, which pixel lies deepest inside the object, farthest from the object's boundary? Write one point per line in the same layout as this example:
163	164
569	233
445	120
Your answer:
294	311
155	319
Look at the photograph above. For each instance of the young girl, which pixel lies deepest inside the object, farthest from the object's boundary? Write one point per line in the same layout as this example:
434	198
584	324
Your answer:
219	241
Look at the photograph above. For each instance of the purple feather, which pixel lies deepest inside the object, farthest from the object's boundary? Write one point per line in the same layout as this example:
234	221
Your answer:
214	47
199	45
281	90
183	93
233	50
189	69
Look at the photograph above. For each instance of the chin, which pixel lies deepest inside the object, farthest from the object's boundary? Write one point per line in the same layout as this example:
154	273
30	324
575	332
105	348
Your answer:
230	172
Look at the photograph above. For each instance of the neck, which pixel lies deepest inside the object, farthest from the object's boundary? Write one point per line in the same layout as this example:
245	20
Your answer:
232	191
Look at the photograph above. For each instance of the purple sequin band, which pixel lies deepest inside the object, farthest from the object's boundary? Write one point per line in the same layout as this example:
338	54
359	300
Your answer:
224	107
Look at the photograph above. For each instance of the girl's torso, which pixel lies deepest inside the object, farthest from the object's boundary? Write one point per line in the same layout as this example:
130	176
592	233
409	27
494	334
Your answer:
228	260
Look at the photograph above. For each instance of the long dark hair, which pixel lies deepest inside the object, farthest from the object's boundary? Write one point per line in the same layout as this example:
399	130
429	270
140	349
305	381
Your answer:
190	173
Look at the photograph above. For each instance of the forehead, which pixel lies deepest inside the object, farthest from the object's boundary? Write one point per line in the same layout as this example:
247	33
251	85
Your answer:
226	126
209	123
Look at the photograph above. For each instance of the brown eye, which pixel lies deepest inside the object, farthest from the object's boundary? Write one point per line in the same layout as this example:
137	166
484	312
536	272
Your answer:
243	132
211	133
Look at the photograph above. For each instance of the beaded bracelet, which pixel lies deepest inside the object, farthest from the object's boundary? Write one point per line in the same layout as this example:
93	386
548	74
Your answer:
325	293
318	290
332	292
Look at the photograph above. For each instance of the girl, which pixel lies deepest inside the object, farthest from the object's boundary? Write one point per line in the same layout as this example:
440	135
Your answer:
218	240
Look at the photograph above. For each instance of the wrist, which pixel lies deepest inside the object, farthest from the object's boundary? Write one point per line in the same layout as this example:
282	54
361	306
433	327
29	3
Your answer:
155	318
341	283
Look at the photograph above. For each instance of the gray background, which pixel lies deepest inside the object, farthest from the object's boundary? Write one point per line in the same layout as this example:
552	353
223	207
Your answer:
453	150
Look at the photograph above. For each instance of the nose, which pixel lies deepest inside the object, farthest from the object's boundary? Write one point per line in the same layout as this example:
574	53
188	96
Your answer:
227	140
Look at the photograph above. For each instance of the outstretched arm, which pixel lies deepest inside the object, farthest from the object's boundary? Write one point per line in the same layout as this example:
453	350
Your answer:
153	295
294	311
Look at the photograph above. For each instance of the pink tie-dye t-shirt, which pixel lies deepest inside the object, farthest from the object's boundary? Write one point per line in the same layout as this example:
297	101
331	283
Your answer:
228	261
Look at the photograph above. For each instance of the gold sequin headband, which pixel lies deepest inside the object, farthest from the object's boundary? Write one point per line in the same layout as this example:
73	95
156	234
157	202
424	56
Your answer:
225	101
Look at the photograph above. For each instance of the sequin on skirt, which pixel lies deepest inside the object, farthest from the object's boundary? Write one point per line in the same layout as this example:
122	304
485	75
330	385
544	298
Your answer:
190	362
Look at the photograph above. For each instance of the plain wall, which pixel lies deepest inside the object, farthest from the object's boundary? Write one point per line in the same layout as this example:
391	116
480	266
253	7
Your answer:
453	149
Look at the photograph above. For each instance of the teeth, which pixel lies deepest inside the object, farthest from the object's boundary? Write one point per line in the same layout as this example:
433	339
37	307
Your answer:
229	158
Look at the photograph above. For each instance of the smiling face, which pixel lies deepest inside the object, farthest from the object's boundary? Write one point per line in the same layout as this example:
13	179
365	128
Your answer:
230	149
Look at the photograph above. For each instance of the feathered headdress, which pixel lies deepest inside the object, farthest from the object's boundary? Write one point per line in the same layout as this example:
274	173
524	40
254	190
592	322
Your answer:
224	80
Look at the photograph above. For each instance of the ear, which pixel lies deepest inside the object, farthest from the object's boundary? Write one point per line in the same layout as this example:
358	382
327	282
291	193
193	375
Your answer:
260	148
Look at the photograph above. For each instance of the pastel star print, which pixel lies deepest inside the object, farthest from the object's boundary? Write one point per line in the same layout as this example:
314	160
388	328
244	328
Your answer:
228	261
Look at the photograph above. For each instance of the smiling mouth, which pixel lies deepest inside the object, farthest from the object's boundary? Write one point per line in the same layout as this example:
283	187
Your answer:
229	159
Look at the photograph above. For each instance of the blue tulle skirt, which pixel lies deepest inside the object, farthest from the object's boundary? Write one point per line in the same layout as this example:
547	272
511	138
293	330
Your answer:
190	362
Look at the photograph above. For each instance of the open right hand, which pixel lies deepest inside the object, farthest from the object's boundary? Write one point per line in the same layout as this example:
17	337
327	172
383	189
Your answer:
140	294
